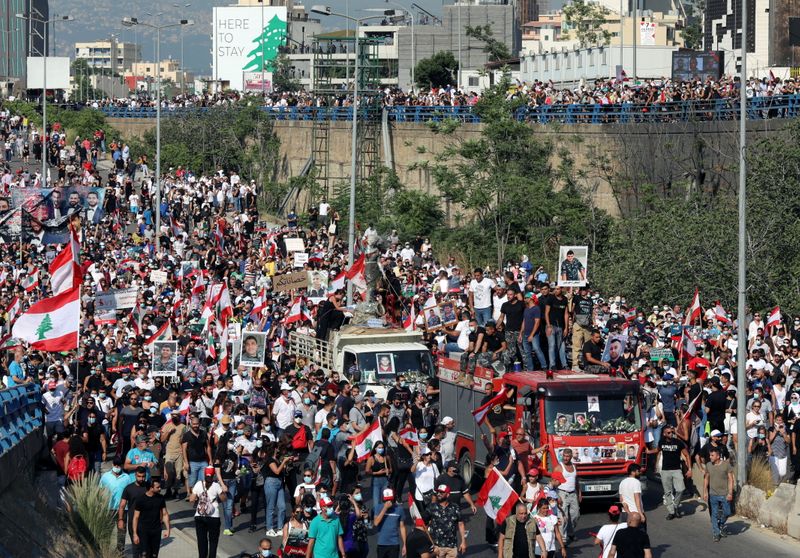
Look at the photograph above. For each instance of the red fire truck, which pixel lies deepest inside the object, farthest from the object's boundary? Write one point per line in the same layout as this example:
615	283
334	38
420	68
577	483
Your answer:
599	417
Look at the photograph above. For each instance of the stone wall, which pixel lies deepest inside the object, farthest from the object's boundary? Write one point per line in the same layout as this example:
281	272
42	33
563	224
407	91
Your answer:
657	154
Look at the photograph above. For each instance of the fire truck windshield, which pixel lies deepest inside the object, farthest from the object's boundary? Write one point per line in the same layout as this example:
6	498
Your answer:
592	414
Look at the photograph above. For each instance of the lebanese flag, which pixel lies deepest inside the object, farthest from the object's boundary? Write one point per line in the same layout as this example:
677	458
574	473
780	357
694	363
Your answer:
224	306
720	314
259	304
297	312
497	497
51	324
337	283
176	302
198	286
136	319
356	273
164	333
65	271
413	511
186	405
13	309
410	323
693	312
409	434
694	407
224	356
210	348
481	412
630	315
686	346
365	441
774	318
30	281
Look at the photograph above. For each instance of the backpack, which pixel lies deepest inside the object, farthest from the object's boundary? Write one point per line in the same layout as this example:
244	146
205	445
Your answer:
77	468
300	439
314	458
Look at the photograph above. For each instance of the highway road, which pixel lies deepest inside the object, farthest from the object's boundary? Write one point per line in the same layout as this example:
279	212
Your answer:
687	536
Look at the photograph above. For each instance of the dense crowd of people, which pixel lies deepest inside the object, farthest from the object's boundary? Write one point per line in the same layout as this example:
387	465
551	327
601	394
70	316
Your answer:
271	446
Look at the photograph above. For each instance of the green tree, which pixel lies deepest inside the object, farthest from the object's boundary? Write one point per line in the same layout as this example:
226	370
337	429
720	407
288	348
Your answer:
82	89
282	79
693	30
585	19
496	50
437	71
262	57
44	326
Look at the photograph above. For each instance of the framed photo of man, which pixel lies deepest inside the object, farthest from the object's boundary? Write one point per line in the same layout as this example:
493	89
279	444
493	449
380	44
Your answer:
433	318
165	358
573	263
254	344
385	362
447	311
613	353
317	284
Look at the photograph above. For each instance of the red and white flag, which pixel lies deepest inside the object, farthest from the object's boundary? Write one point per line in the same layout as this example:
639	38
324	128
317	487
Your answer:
136	319
413	511
720	314
30	281
356	274
497	497
298	312
65	270
693	312
410	435
686	346
259	304
481	412
337	283
774	318
365	441
164	333
199	286
13	309
410	323
51	324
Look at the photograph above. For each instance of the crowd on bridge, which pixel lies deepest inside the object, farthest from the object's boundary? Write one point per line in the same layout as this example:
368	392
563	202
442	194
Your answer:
302	453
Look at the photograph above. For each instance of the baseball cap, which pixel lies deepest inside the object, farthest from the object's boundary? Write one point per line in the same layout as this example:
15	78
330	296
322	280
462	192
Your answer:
533	471
447	420
615	510
298	413
388	494
443	489
286	387
425	451
668	377
226	419
325	502
715	433
141	438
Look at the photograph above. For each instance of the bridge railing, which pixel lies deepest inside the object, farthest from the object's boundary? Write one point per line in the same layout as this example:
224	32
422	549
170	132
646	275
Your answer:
759	108
20	414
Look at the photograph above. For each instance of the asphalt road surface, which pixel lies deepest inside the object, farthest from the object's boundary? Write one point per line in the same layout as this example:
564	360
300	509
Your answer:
684	537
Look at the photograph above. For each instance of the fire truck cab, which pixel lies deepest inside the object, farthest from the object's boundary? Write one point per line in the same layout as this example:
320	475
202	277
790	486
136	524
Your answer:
599	417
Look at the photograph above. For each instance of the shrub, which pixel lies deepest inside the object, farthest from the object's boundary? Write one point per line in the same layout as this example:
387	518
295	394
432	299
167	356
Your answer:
760	476
90	518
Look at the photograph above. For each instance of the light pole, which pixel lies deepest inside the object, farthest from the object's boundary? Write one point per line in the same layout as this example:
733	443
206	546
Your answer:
413	50
183	70
741	351
351	229
460	50
45	24
130	22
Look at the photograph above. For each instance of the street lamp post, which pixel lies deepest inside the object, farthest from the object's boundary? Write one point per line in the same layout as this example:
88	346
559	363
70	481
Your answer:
130	22
351	229
45	24
183	70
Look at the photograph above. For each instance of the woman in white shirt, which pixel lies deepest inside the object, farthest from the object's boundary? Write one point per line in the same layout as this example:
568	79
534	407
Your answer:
207	494
425	472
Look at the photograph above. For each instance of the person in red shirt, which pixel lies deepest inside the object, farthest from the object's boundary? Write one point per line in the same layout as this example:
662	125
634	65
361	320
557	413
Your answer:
527	456
59	453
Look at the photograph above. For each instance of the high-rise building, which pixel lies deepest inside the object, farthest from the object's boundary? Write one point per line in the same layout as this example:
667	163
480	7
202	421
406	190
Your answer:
20	38
527	10
110	55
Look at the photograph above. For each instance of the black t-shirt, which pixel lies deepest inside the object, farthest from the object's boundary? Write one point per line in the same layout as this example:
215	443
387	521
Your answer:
594	349
493	342
706	449
671	453
716	403
495	415
582	307
631	542
513	310
417	544
402	393
455	484
195	445
149	508
557	308
131	494
473	337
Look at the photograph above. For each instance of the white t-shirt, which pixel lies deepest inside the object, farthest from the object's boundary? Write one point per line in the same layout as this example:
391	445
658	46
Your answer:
283	411
307	489
213	496
606	535
462	328
482	292
425	477
628	489
547	527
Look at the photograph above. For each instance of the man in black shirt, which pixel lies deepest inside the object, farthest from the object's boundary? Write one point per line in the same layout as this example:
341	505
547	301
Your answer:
716	403
714	443
557	319
149	513
127	506
631	542
673	450
511	313
582	309
418	542
519	534
592	353
493	345
476	334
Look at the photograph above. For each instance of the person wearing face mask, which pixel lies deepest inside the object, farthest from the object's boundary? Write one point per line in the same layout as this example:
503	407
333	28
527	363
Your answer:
399	391
380	469
114	481
144	381
53	400
94	438
264	549
325	533
125	380
295	532
207	495
171	435
306	487
226	464
242	380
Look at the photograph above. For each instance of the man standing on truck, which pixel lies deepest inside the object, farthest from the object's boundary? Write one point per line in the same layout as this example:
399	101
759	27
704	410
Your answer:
511	313
480	296
582	311
570	494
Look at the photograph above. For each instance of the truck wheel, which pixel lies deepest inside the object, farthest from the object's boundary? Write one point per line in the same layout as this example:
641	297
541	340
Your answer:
465	468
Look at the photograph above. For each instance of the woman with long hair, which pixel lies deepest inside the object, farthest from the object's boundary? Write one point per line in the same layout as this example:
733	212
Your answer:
380	469
402	460
274	488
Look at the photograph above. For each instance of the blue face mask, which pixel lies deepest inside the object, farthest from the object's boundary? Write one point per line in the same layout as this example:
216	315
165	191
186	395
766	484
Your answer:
116	470
307	401
379	451
266	552
423	435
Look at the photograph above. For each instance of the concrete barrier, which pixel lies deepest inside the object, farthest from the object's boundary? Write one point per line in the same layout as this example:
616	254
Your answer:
780	512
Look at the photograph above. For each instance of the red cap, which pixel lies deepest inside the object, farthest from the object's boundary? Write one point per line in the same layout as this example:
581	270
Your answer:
615	510
443	489
208	471
325	502
534	471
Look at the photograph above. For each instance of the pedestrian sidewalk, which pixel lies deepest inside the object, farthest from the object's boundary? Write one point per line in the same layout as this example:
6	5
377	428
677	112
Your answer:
179	545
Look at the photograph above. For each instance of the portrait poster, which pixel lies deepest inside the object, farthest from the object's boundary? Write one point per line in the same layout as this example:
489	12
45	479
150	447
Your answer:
165	358
573	264
433	318
385	363
614	349
447	312
317	285
254	345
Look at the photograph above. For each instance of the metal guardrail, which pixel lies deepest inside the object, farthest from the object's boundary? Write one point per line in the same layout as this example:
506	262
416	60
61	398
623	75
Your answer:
759	108
20	414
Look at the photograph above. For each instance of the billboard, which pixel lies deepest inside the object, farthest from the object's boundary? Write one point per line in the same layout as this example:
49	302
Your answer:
57	72
246	39
689	65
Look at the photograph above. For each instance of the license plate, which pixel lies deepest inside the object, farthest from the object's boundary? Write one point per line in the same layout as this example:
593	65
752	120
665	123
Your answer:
597	488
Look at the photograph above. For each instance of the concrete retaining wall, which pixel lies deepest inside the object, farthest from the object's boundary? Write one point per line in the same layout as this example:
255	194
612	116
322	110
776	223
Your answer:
780	512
